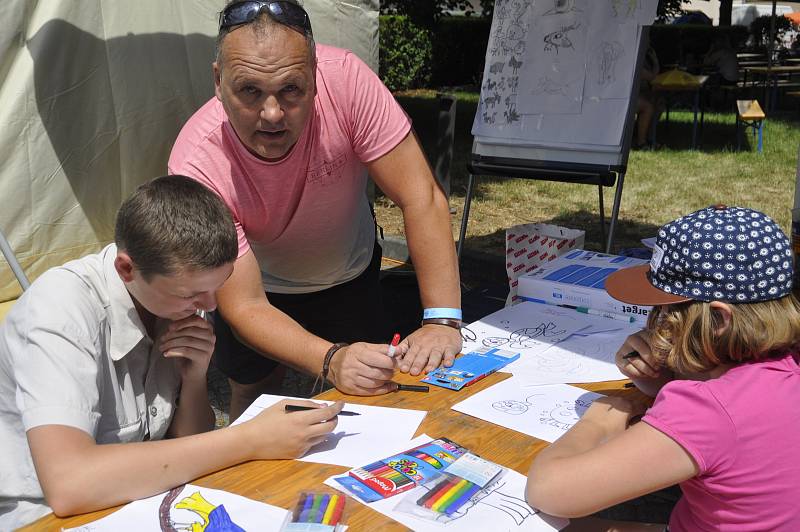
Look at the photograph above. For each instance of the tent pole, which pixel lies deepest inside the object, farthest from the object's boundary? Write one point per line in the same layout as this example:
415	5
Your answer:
8	253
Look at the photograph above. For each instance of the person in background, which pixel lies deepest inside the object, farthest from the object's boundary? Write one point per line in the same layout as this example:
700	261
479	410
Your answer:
103	364
648	105
287	143
720	353
722	57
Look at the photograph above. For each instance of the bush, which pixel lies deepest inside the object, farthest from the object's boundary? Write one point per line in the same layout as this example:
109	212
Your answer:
459	50
675	43
405	53
759	29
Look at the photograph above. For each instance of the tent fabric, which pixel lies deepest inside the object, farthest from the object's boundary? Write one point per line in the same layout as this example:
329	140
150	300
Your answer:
94	93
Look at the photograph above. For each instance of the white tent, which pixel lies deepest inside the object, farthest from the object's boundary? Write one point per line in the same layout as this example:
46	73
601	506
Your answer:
93	95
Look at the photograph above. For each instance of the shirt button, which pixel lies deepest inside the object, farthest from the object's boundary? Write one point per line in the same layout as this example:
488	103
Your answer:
153	411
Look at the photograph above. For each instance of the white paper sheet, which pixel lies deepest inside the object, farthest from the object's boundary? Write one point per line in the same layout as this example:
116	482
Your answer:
579	358
502	509
185	506
545	412
356	439
526	328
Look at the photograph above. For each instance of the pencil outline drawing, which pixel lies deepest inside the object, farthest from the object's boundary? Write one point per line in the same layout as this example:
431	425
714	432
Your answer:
632	6
562	6
547	85
555	40
608	55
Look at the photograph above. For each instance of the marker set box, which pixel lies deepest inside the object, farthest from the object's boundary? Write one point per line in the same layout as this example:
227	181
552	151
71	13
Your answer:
471	367
401	472
316	512
446	497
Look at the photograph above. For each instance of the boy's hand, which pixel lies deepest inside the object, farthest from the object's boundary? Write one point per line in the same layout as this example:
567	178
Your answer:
191	342
275	433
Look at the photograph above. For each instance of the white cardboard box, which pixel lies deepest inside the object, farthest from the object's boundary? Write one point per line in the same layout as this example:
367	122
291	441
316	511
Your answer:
577	280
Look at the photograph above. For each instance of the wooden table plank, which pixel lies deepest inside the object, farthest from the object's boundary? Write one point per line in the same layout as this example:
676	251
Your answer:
280	482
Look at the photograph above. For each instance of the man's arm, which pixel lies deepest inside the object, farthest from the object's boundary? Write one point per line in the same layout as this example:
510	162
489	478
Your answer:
359	369
405	177
75	472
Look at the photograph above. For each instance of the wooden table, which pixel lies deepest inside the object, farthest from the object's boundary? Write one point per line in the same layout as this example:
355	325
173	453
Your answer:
695	88
279	482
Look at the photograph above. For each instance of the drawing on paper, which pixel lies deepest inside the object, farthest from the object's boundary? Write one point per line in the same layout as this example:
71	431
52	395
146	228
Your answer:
562	6
565	413
608	55
511	113
630	7
507	506
514	407
526	337
555	40
212	518
514	64
547	86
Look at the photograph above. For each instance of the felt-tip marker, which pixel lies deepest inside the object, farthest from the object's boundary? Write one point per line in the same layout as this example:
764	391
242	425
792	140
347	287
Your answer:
393	344
632	354
301	408
412	388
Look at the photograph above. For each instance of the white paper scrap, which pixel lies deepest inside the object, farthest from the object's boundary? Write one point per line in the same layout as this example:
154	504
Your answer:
545	412
357	439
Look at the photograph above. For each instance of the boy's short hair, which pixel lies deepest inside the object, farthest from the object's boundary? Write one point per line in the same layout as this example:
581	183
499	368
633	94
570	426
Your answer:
684	340
173	224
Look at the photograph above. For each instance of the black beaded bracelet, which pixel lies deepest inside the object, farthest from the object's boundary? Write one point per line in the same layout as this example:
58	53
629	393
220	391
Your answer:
326	362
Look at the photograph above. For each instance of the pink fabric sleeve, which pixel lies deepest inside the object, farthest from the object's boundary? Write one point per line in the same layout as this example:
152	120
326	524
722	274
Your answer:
690	414
378	121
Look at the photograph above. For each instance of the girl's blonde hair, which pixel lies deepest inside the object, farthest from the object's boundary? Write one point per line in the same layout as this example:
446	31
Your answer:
683	336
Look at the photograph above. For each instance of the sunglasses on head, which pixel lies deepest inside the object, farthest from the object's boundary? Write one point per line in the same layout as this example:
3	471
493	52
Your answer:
286	13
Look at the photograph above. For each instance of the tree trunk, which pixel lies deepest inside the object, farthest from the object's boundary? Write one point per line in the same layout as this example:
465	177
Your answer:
725	8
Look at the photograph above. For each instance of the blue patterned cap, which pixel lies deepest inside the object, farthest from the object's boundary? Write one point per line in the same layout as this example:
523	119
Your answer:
715	254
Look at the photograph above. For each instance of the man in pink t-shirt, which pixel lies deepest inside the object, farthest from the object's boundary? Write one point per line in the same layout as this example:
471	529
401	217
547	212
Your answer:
287	144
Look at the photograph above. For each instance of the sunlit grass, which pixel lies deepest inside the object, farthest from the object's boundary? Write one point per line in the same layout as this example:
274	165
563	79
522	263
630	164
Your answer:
659	185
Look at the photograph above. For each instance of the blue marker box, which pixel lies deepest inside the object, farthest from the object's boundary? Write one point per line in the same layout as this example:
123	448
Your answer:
471	367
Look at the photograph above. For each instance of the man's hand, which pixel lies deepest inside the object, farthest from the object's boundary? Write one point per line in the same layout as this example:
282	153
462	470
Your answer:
428	347
612	414
277	434
636	361
363	369
191	342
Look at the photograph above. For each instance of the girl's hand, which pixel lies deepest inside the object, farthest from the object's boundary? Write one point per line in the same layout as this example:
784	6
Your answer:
635	359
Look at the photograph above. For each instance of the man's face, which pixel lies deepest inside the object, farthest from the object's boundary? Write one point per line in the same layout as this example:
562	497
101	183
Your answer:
175	296
266	85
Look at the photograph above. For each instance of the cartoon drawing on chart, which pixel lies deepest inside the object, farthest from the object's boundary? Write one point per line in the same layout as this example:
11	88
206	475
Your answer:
514	64
565	413
513	84
548	86
630	7
497	68
562	6
526	337
511	114
555	40
213	518
518	9
514	407
514	41
491	101
489	118
608	54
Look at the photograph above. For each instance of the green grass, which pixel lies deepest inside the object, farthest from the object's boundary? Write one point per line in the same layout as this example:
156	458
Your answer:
659	185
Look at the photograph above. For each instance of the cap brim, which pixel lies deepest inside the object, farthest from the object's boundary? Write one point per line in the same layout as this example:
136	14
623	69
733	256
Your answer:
631	285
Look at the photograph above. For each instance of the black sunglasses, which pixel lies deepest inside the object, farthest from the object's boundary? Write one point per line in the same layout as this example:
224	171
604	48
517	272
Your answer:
286	13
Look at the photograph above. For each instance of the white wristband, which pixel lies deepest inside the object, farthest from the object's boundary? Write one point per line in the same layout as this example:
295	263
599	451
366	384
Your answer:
449	313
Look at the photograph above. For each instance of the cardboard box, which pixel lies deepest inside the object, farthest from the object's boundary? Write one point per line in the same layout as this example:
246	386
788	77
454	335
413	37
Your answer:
577	280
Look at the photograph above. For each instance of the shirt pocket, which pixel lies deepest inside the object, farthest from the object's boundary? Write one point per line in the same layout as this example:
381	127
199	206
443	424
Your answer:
119	431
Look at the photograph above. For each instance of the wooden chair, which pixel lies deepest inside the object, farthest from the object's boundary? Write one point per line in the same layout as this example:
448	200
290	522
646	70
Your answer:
750	115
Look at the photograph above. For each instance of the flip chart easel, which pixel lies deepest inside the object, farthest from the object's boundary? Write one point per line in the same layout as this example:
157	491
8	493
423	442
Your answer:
559	95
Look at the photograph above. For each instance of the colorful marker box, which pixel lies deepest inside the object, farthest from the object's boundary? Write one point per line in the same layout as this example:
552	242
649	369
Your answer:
471	367
316	512
463	481
396	474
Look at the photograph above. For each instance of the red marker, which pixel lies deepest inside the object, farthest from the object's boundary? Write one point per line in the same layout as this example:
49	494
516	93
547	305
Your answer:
393	345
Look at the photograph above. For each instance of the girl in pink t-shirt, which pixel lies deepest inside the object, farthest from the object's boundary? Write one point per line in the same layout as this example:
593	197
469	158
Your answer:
720	352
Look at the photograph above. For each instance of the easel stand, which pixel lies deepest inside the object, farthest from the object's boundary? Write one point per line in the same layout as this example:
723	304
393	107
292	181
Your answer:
587	174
